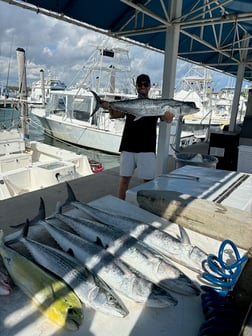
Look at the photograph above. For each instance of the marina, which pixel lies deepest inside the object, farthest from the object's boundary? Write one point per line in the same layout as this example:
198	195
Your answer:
101	190
195	214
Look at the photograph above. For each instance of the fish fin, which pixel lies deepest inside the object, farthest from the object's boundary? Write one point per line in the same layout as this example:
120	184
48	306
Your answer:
184	238
20	235
58	210
39	216
25	229
97	103
70	196
100	243
70	252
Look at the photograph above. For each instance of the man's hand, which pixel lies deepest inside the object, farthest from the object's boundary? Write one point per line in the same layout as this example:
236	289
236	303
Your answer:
113	113
105	105
167	117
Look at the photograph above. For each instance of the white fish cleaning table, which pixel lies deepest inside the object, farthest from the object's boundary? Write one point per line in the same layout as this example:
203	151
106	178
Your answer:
227	187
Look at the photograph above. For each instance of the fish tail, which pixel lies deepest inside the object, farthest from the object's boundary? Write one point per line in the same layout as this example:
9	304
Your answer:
41	215
97	103
23	234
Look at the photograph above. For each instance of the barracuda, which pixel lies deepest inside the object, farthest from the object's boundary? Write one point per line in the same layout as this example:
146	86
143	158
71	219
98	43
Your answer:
179	250
152	266
91	290
146	107
51	296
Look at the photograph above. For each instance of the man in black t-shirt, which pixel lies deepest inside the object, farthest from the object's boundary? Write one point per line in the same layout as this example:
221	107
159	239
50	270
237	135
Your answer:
138	144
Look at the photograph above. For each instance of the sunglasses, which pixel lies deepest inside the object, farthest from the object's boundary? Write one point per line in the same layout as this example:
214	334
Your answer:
145	84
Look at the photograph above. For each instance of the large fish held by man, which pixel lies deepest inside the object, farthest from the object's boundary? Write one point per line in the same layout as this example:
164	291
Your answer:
148	107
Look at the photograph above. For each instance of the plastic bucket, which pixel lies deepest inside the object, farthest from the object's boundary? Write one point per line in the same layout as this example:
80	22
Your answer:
192	159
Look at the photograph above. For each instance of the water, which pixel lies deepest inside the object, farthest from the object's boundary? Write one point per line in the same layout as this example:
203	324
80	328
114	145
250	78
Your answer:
9	118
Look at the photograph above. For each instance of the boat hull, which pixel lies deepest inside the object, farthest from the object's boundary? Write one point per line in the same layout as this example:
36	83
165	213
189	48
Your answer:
80	133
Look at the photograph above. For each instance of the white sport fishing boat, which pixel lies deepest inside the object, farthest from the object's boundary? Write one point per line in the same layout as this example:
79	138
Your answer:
67	114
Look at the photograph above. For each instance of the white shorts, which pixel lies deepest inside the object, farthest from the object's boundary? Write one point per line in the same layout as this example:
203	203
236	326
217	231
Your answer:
144	162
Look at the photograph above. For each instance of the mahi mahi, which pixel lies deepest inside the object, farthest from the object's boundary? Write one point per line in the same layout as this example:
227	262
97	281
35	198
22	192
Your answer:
112	270
178	250
147	107
51	295
130	250
90	289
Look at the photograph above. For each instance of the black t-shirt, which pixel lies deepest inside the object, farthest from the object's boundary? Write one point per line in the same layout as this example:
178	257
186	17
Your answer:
140	135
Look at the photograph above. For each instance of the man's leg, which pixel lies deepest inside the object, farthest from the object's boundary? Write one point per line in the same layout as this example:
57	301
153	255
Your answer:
123	186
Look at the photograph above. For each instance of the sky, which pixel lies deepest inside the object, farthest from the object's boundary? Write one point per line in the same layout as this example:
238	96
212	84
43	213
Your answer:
61	50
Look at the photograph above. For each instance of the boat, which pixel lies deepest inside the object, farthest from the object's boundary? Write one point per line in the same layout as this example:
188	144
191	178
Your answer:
41	89
7	97
215	107
67	115
26	166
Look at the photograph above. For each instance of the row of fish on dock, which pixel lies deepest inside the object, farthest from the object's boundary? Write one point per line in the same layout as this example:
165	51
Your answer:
97	258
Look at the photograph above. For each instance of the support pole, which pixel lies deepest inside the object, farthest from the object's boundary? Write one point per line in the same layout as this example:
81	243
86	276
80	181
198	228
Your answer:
169	76
23	91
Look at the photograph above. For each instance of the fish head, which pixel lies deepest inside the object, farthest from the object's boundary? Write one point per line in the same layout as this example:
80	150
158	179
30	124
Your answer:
189	108
109	302
112	305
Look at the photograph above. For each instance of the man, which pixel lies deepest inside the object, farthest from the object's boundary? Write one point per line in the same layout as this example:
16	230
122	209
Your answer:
138	144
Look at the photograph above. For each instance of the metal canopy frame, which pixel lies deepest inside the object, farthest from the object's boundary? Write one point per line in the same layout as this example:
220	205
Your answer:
212	32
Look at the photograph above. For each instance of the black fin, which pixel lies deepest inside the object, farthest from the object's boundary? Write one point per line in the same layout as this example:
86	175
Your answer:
39	216
97	103
99	243
70	196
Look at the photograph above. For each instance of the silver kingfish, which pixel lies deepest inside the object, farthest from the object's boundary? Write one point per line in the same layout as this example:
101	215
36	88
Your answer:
147	107
112	270
130	250
179	250
90	289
